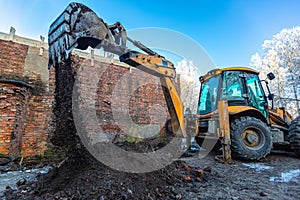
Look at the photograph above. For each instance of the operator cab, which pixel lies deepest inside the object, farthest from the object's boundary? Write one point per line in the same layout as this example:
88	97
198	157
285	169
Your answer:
239	86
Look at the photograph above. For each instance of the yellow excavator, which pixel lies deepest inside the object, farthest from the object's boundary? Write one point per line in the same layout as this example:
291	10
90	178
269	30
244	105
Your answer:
232	111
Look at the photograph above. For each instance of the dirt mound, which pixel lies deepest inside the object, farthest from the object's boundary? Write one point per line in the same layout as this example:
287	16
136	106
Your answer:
89	179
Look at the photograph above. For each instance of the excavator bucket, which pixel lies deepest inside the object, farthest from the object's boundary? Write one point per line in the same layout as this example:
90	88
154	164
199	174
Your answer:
78	27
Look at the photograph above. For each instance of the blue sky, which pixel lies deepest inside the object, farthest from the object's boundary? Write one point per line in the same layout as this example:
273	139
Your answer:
230	31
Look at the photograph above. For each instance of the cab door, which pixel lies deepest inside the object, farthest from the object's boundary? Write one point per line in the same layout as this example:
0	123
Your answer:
255	93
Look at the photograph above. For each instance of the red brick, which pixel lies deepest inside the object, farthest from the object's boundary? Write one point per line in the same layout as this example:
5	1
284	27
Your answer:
29	115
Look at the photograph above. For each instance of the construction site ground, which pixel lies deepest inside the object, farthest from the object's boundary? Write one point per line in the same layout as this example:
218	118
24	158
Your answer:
275	177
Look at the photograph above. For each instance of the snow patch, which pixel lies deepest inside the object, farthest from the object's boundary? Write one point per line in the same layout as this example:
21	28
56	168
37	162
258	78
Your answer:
12	177
287	176
257	166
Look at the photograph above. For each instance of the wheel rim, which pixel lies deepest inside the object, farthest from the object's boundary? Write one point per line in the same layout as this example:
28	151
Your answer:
253	138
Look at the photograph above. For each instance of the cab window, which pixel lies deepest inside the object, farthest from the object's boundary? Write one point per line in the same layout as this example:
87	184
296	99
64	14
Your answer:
232	86
208	96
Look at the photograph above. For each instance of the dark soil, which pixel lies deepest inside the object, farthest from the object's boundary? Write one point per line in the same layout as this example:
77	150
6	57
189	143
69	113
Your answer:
78	179
89	179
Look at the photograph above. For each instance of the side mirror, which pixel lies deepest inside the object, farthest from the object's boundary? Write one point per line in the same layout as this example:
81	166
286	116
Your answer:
270	76
271	97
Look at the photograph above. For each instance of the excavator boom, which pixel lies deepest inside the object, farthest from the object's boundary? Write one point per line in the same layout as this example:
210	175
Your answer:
79	27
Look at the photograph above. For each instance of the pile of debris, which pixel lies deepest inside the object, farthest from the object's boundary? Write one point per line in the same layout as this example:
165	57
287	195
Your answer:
89	179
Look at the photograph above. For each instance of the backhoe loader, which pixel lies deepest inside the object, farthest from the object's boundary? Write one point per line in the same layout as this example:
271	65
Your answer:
233	108
233	99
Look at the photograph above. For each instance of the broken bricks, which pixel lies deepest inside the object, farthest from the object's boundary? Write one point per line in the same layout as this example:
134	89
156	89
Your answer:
198	173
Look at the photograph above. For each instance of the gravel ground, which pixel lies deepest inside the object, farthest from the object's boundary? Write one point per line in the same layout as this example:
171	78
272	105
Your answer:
275	177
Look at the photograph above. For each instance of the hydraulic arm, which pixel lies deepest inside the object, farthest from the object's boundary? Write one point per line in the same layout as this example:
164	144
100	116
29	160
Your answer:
79	27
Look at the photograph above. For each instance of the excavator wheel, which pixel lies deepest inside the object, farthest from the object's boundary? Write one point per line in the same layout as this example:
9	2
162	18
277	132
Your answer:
250	138
294	135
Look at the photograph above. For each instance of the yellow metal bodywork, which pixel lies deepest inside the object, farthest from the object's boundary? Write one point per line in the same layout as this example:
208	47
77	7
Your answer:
175	106
279	117
154	65
224	129
239	109
216	72
232	110
276	116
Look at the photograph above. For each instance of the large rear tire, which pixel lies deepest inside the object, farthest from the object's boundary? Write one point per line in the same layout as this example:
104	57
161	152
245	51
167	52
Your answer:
250	138
294	135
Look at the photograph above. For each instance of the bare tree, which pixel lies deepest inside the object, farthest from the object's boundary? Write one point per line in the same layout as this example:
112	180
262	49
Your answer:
189	84
281	55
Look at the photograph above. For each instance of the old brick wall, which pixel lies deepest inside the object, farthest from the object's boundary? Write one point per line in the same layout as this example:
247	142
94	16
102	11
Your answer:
26	101
104	94
12	58
121	92
115	91
14	97
13	101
